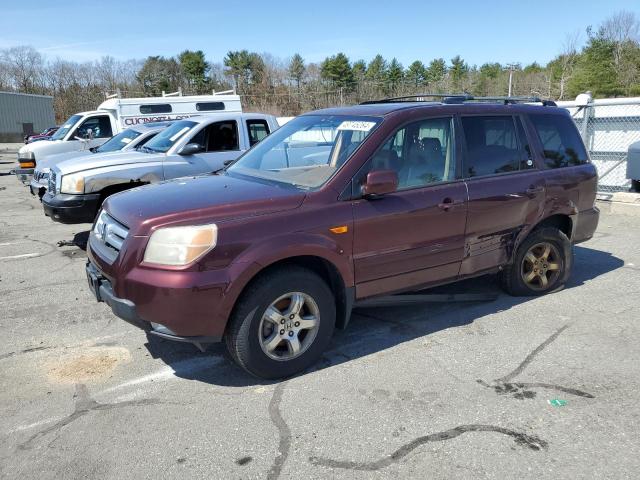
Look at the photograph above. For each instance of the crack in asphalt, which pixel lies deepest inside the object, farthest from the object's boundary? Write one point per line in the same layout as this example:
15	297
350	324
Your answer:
529	358
522	390
83	405
284	432
530	441
26	350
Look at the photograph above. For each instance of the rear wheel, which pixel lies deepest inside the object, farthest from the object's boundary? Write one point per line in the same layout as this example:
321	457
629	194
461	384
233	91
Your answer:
282	323
542	263
635	185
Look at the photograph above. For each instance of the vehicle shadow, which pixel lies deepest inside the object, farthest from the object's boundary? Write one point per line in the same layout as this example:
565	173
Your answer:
375	329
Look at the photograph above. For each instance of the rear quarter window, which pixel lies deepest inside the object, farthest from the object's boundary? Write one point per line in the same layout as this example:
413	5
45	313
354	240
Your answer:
561	143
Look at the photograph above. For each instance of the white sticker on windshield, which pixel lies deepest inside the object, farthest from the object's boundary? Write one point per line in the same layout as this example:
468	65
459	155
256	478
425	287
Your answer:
126	140
68	125
177	135
356	125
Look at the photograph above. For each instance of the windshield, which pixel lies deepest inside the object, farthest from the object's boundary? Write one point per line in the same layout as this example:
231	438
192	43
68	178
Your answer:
169	136
118	142
306	151
66	126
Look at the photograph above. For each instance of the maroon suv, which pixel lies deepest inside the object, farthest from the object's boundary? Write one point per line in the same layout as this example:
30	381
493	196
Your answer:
338	205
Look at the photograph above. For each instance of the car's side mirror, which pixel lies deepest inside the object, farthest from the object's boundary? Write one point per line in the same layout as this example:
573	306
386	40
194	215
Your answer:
380	182
191	149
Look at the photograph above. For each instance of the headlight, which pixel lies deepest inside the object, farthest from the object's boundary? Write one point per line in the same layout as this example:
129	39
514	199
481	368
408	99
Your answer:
28	155
180	245
72	184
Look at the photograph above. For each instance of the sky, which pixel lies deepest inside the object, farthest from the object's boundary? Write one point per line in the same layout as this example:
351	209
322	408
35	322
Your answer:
480	31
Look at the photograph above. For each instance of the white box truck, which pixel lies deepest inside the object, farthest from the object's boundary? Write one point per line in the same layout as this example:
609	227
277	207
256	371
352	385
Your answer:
85	130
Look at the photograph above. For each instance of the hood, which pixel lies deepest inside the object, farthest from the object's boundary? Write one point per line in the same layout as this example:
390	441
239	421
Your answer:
52	160
210	198
43	150
109	159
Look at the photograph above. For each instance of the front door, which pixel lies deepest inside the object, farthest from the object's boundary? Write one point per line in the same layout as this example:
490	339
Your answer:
93	132
220	143
506	190
414	236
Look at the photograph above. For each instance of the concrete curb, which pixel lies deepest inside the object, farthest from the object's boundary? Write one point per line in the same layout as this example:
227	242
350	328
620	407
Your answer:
623	203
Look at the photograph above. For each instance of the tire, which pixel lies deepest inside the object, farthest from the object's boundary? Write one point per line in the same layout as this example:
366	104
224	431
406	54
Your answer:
635	185
265	347
556	268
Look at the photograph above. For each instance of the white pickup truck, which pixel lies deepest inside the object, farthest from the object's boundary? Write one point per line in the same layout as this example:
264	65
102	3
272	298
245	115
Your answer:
86	130
193	146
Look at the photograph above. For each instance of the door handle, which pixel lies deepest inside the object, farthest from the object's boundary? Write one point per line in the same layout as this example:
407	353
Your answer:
532	191
447	203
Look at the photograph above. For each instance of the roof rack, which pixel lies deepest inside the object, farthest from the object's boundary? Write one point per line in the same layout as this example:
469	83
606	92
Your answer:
459	98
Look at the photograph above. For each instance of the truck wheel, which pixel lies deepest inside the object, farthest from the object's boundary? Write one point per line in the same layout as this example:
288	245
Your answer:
542	263
635	186
282	323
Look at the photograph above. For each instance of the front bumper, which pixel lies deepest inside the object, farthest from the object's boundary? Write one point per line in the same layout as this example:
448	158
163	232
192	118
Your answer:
25	175
125	309
37	188
65	208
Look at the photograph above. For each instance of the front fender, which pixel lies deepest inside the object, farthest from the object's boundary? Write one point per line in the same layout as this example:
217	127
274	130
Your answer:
279	248
98	179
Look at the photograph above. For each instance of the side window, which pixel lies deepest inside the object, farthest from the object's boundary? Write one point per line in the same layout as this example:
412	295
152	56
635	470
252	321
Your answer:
100	128
157	108
222	136
258	129
421	153
560	140
492	146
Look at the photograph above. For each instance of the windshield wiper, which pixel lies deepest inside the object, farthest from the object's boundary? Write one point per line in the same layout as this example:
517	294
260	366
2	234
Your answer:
223	168
146	149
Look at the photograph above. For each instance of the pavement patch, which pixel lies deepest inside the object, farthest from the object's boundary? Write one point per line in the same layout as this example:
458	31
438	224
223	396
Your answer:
87	365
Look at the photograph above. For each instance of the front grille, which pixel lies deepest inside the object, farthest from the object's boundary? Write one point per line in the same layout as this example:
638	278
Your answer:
52	183
108	231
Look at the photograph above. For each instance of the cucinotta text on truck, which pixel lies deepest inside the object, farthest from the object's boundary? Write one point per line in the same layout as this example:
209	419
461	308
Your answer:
270	253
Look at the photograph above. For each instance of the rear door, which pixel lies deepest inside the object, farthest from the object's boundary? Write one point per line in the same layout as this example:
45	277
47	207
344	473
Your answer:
506	188
257	129
414	236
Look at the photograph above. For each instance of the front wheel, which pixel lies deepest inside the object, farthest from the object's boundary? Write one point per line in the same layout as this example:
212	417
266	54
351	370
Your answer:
542	263
282	323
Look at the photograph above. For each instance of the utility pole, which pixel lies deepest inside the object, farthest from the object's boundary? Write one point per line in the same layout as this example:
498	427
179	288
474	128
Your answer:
511	67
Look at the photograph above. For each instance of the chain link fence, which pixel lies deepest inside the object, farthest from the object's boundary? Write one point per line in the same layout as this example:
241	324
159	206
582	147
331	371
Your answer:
608	127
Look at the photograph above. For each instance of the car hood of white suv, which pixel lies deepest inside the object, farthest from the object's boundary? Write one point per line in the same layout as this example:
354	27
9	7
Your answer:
46	148
110	159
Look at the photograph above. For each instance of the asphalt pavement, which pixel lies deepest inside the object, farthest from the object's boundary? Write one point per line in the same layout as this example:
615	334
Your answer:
542	387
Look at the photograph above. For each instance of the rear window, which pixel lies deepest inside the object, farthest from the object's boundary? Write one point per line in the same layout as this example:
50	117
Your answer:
209	106
493	146
157	108
560	140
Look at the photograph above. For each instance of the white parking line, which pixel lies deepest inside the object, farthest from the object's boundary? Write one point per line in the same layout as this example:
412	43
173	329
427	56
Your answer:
189	366
24	255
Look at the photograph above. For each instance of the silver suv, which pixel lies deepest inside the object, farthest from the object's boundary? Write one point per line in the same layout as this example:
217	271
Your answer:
193	146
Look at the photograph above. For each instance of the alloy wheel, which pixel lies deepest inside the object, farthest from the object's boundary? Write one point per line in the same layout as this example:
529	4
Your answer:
288	326
541	266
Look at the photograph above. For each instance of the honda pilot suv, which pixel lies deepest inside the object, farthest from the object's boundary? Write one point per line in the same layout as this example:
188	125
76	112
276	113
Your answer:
271	253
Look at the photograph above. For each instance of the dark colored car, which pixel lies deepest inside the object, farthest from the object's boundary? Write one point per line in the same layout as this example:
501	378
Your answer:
46	134
339	205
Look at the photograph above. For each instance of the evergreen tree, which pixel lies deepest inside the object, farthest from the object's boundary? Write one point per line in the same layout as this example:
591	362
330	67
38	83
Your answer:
436	71
377	70
458	72
416	73
297	69
337	70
